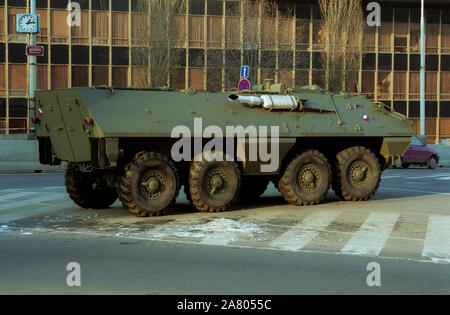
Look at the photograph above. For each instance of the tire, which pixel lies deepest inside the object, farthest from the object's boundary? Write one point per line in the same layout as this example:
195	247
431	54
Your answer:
214	185
405	165
150	185
253	187
432	163
88	190
306	180
397	163
358	174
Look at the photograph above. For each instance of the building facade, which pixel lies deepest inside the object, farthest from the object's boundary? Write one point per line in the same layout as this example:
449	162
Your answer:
101	52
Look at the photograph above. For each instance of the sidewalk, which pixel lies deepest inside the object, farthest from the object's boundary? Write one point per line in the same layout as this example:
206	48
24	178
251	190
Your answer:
20	155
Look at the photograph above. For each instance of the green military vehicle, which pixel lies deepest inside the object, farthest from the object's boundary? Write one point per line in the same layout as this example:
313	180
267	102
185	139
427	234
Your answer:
142	146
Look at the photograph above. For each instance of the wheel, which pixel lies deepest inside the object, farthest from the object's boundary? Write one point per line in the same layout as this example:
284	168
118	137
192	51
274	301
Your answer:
150	185
306	179
213	185
253	187
432	163
405	165
358	174
397	163
88	190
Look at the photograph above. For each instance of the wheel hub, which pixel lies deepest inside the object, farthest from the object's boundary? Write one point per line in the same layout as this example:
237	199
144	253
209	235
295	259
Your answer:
359	173
308	177
216	182
153	185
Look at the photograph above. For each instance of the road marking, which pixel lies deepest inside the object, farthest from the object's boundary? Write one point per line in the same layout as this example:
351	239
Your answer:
17	195
437	239
55	187
373	234
29	202
419	191
299	236
444	178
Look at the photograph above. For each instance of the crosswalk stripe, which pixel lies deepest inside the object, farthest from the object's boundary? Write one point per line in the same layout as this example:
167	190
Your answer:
17	195
437	239
299	236
373	234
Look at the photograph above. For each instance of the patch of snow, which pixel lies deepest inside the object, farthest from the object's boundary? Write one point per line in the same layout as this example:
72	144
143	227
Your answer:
440	260
227	225
4	228
215	226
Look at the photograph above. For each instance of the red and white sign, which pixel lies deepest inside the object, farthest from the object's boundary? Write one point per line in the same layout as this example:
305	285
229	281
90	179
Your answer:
35	51
244	85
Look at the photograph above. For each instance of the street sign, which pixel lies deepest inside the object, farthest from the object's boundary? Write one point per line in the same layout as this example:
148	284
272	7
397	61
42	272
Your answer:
35	51
244	85
245	72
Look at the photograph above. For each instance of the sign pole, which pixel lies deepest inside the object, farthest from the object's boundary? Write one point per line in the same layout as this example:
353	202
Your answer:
422	73
32	80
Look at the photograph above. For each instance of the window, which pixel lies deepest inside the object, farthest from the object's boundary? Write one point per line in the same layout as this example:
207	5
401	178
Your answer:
385	61
400	85
60	54
196	58
120	56
59	28
215	7
302	60
385	35
214	82
196	31
100	28
400	62
42	77
17	53
196	79
17	108
214	31
445	85
100	55
80	76
400	106
80	34
120	77
301	78
401	36
120	28
384	84
368	62
368	79
431	85
59	77
80	55
99	75
416	141
197	7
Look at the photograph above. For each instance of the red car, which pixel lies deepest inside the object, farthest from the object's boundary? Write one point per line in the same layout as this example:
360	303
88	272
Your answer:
418	153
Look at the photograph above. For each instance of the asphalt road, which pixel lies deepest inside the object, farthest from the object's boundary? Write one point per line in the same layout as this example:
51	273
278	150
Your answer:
264	247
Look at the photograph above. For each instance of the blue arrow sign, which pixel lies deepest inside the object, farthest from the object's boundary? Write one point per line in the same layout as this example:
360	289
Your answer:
245	72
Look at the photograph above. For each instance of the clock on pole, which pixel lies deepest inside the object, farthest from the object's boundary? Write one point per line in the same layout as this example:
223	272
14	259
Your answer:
28	23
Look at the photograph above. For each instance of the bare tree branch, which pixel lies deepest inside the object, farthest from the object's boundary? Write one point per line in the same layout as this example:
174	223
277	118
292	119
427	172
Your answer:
342	26
157	34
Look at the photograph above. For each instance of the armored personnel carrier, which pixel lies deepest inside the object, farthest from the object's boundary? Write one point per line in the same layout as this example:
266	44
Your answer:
142	146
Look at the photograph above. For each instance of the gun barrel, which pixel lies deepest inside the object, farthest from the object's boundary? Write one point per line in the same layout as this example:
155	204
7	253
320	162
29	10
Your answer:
248	100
